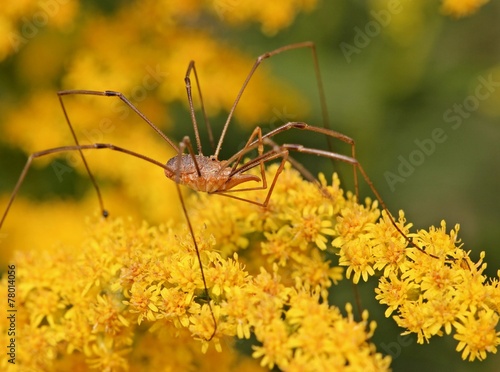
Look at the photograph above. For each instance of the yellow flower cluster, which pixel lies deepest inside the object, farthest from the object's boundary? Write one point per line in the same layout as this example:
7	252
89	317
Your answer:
22	21
462	8
102	304
133	297
272	16
432	291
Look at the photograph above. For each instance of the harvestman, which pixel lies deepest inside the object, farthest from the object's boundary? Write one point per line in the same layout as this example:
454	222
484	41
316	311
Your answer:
209	174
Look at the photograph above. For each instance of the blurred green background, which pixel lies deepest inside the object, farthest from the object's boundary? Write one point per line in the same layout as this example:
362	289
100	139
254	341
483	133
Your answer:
390	81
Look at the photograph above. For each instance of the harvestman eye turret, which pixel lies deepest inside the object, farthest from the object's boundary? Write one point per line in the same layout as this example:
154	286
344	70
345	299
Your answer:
208	173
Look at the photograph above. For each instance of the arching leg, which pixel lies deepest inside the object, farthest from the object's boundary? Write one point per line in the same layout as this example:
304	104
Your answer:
357	165
187	80
97	146
106	93
61	149
328	132
257	63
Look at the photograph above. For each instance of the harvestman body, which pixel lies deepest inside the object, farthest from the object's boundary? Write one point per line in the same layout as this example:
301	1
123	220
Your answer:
208	173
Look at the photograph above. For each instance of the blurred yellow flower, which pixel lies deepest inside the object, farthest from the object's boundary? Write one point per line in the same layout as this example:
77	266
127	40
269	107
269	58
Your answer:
461	8
273	16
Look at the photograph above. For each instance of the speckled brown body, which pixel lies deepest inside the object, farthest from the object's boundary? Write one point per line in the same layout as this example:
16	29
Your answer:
215	176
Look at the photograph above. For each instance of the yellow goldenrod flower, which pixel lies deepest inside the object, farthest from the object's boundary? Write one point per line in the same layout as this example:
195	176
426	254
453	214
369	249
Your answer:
393	292
128	286
477	334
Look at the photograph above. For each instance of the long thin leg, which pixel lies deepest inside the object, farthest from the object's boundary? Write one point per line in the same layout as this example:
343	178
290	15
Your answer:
259	60
106	93
187	80
262	158
78	148
257	132
199	261
268	156
301	168
273	154
186	143
355	163
97	146
104	212
121	96
328	132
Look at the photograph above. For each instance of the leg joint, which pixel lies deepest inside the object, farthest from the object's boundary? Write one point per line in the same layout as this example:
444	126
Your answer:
111	93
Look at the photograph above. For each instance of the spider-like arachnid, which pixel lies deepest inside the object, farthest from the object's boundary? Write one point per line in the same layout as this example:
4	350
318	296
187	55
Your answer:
208	173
